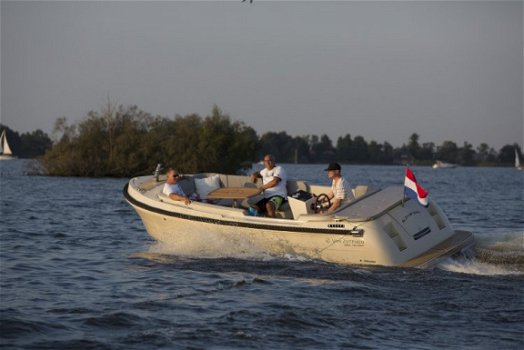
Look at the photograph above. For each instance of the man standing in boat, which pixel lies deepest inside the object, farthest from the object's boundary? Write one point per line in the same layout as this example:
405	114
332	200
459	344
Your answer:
173	189
340	188
274	181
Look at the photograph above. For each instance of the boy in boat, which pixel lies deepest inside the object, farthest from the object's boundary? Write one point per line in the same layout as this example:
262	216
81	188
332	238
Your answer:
274	181
172	189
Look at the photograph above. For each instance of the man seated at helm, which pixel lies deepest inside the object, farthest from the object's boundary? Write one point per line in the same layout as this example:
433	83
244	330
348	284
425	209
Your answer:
340	193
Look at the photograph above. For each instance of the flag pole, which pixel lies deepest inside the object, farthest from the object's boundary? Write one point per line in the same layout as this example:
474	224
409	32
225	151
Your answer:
404	189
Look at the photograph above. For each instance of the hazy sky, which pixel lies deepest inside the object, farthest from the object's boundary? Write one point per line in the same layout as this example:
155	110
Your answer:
446	70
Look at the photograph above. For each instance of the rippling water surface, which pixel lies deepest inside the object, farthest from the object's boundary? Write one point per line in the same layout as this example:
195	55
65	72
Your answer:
78	270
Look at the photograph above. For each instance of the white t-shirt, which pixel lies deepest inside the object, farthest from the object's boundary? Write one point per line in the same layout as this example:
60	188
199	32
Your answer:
278	190
342	190
173	188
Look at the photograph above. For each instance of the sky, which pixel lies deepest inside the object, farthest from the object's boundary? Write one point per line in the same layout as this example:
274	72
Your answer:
445	70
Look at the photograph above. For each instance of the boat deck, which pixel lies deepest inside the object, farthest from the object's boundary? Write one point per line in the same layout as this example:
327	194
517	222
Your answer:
366	207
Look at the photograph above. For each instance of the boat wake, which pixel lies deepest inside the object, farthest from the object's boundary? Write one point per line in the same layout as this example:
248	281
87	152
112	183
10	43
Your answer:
211	246
501	254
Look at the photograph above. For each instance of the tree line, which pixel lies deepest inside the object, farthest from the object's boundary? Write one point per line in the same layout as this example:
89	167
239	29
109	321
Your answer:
126	141
314	149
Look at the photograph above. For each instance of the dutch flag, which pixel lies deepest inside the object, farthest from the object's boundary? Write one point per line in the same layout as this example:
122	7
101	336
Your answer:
413	190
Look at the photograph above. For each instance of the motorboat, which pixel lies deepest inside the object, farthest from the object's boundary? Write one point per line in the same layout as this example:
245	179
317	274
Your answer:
5	150
443	165
379	227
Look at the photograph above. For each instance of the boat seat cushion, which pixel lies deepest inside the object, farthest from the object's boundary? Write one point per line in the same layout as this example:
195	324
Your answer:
188	185
237	181
206	185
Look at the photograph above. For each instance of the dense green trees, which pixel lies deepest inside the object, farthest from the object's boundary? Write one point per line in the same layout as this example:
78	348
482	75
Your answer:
314	149
126	141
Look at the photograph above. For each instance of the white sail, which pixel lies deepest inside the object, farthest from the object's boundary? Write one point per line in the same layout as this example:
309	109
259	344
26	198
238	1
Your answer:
6	150
517	160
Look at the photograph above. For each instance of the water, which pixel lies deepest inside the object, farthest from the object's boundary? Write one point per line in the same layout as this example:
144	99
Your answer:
78	271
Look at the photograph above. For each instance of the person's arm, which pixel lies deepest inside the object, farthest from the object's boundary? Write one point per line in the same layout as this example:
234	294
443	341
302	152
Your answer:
335	204
255	176
270	184
178	197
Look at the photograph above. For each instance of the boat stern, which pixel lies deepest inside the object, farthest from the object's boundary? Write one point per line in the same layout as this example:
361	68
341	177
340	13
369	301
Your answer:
417	236
460	241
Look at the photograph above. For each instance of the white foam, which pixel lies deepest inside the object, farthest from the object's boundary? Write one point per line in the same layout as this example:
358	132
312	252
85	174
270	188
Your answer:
502	241
212	246
496	253
475	267
500	253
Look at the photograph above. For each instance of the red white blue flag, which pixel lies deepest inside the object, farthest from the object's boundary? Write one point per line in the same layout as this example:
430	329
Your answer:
413	190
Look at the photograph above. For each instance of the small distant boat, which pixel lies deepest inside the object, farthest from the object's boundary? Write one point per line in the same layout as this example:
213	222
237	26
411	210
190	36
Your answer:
5	150
517	161
443	165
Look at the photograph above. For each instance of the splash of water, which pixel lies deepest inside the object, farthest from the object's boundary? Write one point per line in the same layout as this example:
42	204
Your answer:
476	267
500	254
495	254
213	246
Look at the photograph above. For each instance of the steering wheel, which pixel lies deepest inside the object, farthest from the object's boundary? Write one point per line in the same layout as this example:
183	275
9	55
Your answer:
319	201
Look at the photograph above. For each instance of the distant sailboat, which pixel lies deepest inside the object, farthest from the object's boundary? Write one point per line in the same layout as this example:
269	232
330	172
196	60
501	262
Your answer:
517	160
5	150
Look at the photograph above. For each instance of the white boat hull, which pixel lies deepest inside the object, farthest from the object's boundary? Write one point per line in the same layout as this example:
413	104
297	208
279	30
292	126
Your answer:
401	235
443	165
